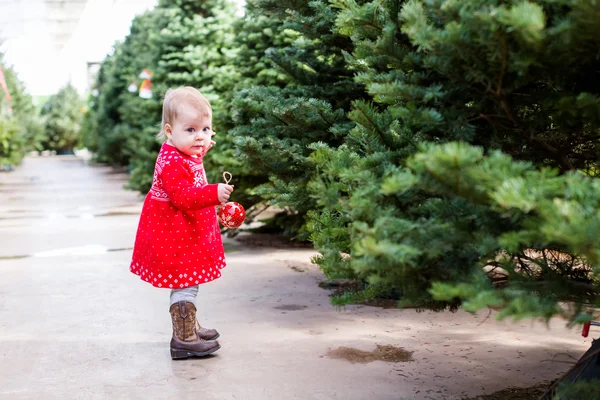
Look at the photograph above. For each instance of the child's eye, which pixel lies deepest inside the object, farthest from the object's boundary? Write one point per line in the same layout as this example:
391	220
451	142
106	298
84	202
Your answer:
190	130
206	129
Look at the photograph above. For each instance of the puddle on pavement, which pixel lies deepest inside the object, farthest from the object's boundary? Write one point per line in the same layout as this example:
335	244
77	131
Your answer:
117	213
126	205
57	215
47	216
90	250
21	217
12	257
381	353
290	307
231	248
120	249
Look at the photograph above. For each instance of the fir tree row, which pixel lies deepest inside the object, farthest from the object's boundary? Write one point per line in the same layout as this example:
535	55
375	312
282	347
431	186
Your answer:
436	150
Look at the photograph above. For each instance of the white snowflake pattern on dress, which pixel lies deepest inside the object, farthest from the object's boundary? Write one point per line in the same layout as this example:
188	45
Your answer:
198	180
157	192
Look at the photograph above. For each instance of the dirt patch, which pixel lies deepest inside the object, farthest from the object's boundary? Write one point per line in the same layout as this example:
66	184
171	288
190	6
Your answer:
381	353
298	267
530	393
290	307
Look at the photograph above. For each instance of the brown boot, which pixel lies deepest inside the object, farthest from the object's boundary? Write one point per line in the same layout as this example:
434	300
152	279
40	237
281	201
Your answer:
185	342
205	333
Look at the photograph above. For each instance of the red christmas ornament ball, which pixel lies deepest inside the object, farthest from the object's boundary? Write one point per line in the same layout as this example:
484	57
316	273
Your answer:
232	215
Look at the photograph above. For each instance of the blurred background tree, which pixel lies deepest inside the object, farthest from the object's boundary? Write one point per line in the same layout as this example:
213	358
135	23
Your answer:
20	126
62	116
120	126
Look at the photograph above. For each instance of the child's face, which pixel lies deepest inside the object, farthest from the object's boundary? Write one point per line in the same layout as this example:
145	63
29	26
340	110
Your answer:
190	132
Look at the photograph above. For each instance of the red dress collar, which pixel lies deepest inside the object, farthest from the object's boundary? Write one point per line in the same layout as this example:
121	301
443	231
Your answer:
193	159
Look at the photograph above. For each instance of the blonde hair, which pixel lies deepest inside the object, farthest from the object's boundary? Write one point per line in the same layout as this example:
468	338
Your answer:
174	98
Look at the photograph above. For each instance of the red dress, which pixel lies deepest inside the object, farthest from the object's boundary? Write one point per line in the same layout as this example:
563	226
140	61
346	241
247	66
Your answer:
178	242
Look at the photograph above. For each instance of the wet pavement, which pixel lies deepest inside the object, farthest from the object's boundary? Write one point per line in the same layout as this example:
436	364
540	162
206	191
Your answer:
75	324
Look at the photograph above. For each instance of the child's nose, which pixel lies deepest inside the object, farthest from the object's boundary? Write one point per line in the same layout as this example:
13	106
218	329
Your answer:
202	136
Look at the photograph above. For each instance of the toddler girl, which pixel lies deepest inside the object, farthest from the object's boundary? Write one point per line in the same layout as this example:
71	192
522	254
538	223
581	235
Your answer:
178	243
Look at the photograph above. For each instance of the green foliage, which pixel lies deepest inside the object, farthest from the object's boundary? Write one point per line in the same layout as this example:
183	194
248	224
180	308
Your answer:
399	208
547	243
580	390
11	143
20	128
255	34
62	115
275	123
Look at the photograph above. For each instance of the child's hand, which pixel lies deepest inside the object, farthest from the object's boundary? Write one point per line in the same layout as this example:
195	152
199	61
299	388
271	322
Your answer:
208	147
224	192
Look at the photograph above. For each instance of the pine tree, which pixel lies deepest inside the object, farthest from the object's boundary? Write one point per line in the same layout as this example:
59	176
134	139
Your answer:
255	35
20	125
275	125
140	117
433	221
62	115
192	47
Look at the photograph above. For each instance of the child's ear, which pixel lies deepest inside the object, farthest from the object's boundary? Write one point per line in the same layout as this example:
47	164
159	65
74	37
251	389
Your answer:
168	130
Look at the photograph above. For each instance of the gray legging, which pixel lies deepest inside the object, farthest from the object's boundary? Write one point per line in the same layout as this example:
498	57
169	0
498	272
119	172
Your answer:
187	294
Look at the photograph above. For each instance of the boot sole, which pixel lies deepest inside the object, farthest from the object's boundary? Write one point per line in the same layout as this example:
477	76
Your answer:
179	354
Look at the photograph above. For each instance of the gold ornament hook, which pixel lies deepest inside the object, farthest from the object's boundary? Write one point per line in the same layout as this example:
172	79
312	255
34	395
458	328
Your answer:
227	177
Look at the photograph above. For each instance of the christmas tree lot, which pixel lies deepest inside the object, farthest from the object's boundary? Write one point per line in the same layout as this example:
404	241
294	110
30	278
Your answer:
443	152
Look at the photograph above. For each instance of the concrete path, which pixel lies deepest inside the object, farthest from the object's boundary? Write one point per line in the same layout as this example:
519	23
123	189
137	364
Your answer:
75	324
